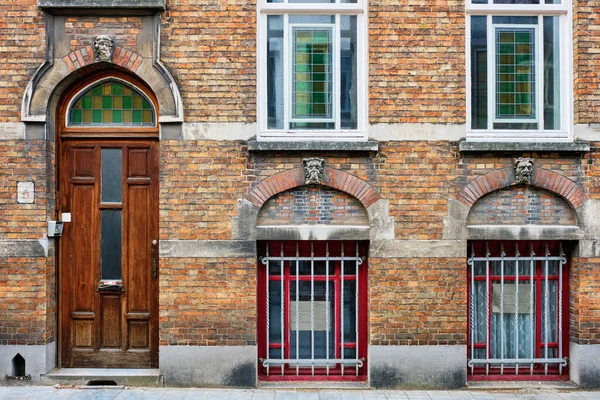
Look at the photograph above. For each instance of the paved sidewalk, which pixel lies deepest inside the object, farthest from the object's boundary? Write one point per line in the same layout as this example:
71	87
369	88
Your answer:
49	392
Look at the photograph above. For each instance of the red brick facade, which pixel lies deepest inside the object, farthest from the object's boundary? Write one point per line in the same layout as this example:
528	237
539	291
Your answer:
416	75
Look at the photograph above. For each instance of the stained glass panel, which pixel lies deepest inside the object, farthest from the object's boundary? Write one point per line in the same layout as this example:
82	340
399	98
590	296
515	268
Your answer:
111	104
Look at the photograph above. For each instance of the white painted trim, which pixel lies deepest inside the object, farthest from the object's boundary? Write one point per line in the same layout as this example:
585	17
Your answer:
563	11
286	9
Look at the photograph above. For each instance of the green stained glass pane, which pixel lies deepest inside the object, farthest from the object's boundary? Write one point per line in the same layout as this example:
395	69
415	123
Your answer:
523	59
302	86
319	77
320	59
506	68
302	109
522	37
506	48
319	98
147	116
127	102
507	87
320	37
523	77
87	116
97	102
145	105
117	89
136	116
97	91
127	116
302	68
76	116
97	116
303	48
523	98
137	102
107	102
117	116
86	102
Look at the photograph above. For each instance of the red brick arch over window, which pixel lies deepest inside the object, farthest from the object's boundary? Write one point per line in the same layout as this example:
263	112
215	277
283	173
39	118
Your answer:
541	178
295	177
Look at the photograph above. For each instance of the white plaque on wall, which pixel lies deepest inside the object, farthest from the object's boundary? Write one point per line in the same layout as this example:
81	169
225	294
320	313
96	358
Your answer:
25	192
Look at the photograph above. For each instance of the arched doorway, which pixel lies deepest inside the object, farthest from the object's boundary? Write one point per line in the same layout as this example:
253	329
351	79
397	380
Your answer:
107	158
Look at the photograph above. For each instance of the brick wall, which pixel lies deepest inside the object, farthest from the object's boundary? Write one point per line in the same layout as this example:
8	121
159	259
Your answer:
417	51
586	38
22	49
586	301
210	47
521	205
208	301
82	30
417	301
313	206
200	183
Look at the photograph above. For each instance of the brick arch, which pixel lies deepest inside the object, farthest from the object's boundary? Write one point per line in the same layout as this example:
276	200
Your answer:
85	56
541	178
292	178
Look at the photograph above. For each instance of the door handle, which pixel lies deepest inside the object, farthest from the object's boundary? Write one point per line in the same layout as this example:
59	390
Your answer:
154	260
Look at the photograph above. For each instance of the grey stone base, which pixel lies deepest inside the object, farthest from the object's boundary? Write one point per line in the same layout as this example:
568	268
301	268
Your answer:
584	361
443	367
38	359
208	365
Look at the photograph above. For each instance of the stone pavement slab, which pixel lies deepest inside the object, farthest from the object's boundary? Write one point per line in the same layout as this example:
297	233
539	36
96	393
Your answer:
53	393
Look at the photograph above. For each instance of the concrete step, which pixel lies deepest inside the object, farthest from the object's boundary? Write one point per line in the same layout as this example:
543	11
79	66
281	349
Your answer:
103	377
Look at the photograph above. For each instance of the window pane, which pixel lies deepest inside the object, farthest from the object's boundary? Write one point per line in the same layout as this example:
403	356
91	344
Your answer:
103	105
312	75
516	1
479	103
275	311
348	68
551	73
111	175
275	72
110	244
515	73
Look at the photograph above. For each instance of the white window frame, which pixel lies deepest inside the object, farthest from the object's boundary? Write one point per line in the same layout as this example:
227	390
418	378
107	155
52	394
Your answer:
563	11
359	10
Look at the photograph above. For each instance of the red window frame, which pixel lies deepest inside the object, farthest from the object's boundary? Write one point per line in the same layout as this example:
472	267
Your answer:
524	248
304	249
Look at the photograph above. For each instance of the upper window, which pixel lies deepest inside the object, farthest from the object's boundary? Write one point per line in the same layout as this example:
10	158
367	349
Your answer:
111	103
311	69
519	51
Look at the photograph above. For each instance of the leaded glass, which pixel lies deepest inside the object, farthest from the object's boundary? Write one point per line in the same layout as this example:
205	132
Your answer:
312	74
111	103
515	73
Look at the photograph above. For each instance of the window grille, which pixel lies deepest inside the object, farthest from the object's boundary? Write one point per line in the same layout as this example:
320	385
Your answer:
314	302
517	308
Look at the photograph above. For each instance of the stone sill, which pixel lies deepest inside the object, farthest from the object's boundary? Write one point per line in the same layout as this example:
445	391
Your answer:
562	147
312	145
102	4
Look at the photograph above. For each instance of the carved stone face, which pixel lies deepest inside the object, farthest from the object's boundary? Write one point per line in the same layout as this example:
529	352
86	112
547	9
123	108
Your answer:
313	170
523	169
103	48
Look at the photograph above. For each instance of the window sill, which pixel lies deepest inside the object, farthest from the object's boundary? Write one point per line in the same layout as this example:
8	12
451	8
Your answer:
312	145
100	4
537	146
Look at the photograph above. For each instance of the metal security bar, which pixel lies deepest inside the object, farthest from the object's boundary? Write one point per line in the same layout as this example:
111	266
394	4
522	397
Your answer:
309	297
516	308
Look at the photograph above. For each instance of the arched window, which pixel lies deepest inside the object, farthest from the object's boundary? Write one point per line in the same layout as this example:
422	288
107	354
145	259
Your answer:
111	103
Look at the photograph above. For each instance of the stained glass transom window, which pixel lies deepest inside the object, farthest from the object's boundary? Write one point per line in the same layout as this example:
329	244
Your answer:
111	104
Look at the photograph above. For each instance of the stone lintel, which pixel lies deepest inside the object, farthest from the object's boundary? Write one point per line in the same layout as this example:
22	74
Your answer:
524	232
128	4
24	248
317	232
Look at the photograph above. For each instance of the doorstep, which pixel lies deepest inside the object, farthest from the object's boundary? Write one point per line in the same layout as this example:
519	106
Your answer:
90	376
312	385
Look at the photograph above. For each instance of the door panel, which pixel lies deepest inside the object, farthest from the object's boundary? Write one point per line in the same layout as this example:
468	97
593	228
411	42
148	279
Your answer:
108	282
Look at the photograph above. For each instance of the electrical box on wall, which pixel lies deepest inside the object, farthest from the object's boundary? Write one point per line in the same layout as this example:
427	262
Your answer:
55	228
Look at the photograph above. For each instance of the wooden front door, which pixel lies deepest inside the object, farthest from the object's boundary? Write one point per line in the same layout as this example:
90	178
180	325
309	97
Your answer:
108	253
